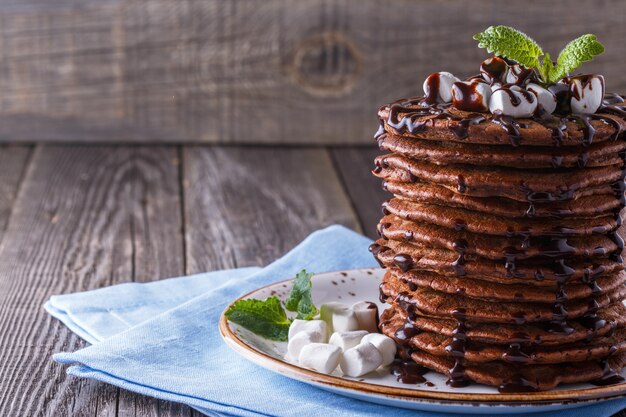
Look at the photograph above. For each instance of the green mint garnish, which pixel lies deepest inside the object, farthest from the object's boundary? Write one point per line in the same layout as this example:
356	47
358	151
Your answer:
512	44
300	299
576	52
265	318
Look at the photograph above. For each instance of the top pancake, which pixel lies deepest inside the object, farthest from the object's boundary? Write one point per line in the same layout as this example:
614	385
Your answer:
532	132
527	157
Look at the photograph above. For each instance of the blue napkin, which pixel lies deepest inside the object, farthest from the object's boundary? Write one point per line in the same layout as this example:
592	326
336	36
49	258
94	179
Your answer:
161	339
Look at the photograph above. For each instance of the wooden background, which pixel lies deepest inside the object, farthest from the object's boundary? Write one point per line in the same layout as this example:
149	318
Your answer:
253	71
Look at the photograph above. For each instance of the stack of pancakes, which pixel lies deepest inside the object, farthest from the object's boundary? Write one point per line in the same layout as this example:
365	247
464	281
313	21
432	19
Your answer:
503	244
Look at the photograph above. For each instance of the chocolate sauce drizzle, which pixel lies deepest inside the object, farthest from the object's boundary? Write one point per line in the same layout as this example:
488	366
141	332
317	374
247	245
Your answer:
456	349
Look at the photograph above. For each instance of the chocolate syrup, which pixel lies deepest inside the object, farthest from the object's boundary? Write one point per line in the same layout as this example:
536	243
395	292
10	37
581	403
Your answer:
515	354
509	124
408	372
403	261
518	384
432	88
609	376
456	349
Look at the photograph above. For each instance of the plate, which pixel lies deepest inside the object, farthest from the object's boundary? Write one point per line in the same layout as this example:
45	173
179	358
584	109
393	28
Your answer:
380	386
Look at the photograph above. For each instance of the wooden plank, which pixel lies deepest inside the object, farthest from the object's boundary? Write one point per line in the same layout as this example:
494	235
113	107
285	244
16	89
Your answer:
13	164
244	71
85	217
355	167
248	206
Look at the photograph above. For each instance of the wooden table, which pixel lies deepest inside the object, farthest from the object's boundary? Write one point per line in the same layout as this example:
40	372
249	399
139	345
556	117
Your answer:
75	218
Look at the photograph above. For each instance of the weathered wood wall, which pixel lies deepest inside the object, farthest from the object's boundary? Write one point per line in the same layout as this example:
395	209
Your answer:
252	71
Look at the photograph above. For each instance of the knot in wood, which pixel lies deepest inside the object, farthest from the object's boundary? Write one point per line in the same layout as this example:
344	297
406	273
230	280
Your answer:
326	65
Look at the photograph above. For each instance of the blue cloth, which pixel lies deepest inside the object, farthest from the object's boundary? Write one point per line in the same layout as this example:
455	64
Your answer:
161	339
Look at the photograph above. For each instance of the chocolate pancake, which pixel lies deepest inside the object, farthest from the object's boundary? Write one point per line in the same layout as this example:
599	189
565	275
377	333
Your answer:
585	206
498	247
511	378
609	318
504	239
436	304
535	186
524	292
516	352
448	263
460	219
408	117
526	157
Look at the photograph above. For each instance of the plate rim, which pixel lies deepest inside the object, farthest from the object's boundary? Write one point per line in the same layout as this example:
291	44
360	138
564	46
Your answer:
541	398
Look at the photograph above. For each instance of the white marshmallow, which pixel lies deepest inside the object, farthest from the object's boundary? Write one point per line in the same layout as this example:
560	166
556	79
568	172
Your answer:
502	101
326	313
347	340
545	98
300	340
366	315
494	70
360	360
385	345
345	320
338	317
443	82
298	326
587	92
471	95
515	72
320	357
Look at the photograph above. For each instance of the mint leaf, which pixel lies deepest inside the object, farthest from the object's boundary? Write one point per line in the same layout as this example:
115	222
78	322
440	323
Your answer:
300	298
546	68
265	318
576	52
510	43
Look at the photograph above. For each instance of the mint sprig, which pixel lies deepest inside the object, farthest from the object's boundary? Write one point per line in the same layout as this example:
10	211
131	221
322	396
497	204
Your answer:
576	52
512	44
266	318
300	299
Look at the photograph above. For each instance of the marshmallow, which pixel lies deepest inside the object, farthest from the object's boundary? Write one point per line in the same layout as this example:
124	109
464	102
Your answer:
385	345
471	95
545	98
494	70
513	101
320	357
347	340
298	326
300	340
587	92
327	310
360	360
442	82
366	315
517	74
338	317
345	320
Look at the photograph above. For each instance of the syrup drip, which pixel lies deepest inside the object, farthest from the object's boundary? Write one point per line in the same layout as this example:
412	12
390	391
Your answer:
609	376
518	384
408	372
456	349
459	245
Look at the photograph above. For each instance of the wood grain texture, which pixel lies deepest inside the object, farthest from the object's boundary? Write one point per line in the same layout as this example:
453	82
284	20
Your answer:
244	71
85	217
248	206
13	164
